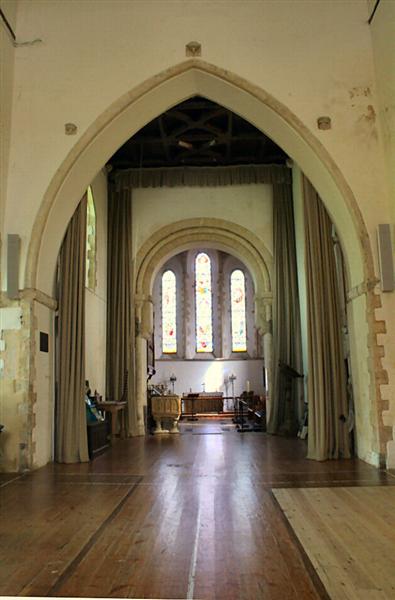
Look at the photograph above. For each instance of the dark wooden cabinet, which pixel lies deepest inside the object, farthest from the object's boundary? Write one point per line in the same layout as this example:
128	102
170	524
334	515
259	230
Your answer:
99	439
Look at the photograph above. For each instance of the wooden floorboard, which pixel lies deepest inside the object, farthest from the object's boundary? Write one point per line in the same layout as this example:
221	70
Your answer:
188	516
349	536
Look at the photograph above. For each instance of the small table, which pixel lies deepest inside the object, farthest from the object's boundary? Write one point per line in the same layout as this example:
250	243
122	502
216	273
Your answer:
114	407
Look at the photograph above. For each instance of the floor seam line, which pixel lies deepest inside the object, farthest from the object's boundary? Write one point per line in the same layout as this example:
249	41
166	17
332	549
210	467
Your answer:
72	566
311	570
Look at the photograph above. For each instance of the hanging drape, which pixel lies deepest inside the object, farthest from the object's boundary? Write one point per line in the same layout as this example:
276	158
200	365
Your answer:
328	435
129	179
119	326
286	412
71	432
119	302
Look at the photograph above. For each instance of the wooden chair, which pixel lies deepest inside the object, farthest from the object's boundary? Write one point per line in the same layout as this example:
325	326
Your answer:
117	406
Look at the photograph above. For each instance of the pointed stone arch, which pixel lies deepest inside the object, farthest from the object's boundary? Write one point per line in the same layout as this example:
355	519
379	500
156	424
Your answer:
149	99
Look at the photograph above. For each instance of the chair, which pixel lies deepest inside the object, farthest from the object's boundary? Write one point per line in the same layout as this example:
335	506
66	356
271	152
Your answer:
115	406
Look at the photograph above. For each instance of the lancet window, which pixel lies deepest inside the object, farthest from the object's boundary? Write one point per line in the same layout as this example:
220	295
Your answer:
238	311
203	303
169	313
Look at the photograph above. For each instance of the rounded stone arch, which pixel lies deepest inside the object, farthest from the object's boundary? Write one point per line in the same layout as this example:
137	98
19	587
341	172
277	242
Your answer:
189	233
149	99
209	233
186	235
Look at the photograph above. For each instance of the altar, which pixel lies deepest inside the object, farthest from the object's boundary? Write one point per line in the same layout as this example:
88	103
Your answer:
203	402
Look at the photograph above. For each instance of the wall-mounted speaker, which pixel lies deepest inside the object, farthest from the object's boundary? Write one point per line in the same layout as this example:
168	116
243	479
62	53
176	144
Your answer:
386	260
13	251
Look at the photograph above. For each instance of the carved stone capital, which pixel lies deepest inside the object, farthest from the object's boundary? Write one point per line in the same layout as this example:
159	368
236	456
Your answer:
263	313
145	317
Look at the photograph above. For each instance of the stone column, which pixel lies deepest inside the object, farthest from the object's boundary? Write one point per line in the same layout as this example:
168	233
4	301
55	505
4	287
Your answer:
141	382
144	330
263	312
189	316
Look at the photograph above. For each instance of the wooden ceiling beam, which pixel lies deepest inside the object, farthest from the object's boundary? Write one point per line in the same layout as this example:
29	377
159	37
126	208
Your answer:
198	137
163	138
216	134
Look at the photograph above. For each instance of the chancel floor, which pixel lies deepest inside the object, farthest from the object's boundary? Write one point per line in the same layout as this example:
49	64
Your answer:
171	516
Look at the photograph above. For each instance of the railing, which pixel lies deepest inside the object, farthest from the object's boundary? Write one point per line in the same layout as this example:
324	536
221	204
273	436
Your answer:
250	413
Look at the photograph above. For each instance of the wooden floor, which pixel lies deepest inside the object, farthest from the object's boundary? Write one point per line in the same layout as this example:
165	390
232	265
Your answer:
349	535
188	516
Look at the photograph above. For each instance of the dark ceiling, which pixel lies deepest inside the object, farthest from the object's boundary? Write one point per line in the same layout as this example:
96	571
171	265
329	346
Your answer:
197	132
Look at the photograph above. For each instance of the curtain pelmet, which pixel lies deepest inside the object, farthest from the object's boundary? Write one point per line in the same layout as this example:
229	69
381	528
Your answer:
201	176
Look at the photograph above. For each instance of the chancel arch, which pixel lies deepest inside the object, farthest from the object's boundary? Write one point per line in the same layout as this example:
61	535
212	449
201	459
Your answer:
128	114
188	236
209	233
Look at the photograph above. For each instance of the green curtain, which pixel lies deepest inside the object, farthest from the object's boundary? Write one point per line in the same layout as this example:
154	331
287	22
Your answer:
285	414
328	435
119	302
71	433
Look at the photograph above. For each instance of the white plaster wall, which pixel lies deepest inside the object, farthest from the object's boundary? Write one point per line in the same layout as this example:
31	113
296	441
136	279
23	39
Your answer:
96	300
383	42
7	53
272	45
247	205
192	374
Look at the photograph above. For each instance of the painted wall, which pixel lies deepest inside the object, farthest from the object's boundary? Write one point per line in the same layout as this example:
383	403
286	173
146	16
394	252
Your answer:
272	47
192	374
7	53
246	205
96	300
383	44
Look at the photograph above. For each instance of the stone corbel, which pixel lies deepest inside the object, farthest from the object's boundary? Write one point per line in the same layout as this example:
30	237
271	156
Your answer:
263	314
145	317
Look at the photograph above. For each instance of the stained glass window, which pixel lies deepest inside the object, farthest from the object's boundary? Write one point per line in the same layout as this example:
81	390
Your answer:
238	311
203	299
169	313
90	272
